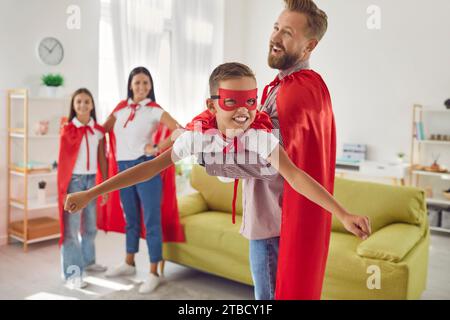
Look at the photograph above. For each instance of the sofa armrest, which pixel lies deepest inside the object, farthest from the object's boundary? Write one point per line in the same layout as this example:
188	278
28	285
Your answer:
191	204
391	243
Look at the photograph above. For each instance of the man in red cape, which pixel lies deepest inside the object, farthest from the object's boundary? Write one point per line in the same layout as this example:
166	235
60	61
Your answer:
299	104
113	216
308	130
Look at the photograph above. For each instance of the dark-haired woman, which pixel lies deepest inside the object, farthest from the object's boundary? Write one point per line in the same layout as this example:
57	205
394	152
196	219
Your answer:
133	124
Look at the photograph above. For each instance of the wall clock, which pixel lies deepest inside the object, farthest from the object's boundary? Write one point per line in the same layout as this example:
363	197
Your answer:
51	51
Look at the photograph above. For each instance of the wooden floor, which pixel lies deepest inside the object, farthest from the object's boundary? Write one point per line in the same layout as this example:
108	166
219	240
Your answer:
36	274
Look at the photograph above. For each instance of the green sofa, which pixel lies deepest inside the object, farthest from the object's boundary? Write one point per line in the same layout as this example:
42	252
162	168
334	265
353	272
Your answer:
391	264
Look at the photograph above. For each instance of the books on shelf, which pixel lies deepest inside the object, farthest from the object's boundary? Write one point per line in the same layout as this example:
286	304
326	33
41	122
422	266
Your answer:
354	152
31	167
419	131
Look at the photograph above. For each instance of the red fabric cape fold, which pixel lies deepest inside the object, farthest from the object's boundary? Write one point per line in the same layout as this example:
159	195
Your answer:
308	129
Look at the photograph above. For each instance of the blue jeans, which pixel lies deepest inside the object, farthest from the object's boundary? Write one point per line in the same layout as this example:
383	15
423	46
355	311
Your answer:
263	264
145	195
76	254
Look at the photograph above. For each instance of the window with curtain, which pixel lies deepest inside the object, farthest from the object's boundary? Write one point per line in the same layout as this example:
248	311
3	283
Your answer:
177	40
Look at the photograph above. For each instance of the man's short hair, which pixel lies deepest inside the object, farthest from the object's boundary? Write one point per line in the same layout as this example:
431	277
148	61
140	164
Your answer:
317	19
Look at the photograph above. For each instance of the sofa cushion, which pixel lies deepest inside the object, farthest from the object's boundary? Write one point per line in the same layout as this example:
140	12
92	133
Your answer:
383	204
191	204
218	195
215	230
347	274
391	243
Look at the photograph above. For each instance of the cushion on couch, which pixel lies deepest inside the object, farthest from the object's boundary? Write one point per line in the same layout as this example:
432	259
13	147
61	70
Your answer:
218	195
215	230
391	243
383	204
347	273
191	204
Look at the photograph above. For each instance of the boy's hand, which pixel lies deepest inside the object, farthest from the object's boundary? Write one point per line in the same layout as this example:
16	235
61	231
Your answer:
76	201
358	225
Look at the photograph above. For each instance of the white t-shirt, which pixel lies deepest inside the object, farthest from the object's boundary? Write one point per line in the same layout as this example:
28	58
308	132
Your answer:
131	140
93	139
189	143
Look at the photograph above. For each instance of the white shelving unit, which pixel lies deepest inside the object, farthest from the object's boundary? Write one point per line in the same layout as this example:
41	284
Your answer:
433	142
42	174
394	172
419	148
33	204
30	230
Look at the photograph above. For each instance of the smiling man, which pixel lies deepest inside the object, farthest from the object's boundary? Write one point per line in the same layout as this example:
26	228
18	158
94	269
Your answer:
289	235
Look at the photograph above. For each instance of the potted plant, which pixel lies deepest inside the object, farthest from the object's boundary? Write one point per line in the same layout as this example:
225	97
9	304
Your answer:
52	82
400	157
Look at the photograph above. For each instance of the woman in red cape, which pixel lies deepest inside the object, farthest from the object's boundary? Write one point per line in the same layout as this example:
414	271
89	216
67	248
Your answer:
139	129
113	219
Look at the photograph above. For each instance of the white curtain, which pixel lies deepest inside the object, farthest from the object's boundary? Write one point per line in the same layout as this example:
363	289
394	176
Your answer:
198	43
179	41
137	27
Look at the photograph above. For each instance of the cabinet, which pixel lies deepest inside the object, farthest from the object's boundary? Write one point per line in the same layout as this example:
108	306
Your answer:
431	141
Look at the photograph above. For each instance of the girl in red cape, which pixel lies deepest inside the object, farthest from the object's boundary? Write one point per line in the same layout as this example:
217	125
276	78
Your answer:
138	130
81	153
231	112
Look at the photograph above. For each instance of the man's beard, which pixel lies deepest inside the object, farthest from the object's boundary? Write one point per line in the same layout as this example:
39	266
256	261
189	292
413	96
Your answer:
283	62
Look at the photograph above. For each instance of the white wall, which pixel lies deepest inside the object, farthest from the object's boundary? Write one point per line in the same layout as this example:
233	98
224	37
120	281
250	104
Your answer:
374	76
235	33
23	23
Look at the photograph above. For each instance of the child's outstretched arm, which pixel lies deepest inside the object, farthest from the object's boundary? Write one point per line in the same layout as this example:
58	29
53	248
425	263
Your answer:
311	189
140	173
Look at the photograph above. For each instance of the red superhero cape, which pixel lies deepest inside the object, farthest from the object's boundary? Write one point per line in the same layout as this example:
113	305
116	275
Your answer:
71	138
113	217
309	136
207	121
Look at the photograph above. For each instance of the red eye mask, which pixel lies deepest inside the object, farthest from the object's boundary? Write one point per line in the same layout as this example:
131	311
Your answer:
230	100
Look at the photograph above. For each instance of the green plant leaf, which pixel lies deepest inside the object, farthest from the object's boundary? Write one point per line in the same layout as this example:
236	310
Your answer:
52	80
